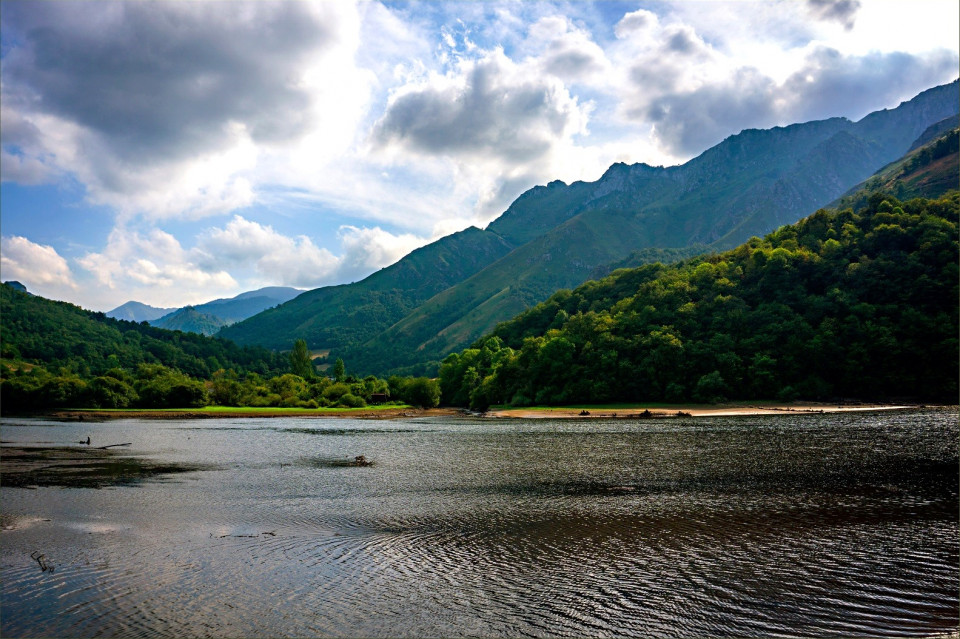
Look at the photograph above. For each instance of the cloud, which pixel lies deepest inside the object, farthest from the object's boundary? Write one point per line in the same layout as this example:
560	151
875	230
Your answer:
689	122
491	108
636	22
830	83
367	249
567	52
154	267
275	257
161	80
842	11
37	266
695	94
147	103
297	261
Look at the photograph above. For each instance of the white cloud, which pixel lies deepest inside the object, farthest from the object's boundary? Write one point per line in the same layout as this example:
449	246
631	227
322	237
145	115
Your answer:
39	267
165	108
368	249
275	257
842	11
297	261
697	84
562	49
491	108
154	268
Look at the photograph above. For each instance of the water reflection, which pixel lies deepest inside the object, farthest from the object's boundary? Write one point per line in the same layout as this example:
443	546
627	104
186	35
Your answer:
787	525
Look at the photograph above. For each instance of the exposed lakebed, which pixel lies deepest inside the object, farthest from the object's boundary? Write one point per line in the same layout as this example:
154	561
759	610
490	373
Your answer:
793	525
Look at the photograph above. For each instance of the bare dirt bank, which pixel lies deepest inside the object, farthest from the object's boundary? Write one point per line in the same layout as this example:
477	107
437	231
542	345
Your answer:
384	413
687	411
565	412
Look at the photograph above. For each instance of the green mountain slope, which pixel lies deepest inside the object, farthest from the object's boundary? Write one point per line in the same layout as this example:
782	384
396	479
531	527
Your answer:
189	320
928	171
748	185
57	334
843	304
354	313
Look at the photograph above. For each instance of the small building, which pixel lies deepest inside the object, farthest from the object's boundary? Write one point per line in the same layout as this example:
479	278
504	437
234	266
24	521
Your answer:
378	398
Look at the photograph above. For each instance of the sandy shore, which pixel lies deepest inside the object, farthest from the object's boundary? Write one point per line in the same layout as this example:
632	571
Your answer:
688	411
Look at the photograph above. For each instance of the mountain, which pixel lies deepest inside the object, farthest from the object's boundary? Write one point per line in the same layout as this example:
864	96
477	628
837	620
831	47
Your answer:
928	171
749	184
845	303
559	235
248	304
189	320
138	312
354	313
209	317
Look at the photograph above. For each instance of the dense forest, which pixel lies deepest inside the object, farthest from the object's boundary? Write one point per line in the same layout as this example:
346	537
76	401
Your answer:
844	304
57	355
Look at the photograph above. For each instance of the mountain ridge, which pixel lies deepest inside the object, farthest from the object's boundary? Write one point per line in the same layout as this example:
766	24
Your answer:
749	184
780	175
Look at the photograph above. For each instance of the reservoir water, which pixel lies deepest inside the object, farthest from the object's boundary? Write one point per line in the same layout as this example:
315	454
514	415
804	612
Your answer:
812	525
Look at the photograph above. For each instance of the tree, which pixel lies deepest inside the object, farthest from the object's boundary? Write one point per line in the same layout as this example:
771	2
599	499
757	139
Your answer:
422	392
339	370
300	362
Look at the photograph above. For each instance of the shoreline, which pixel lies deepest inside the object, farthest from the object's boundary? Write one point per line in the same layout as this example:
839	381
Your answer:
545	412
691	410
101	415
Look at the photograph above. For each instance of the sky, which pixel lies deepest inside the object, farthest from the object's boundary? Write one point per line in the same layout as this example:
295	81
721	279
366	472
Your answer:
178	152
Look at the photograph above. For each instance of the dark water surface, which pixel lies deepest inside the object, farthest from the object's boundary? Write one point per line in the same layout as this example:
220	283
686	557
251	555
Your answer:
787	525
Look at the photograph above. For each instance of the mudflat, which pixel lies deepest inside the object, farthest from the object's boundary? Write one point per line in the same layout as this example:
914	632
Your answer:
726	410
79	467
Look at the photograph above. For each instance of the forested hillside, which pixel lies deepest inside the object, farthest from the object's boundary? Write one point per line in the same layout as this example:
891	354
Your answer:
843	304
58	334
57	355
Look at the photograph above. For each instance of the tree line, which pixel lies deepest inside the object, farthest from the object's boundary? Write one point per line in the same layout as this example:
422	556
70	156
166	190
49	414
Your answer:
152	386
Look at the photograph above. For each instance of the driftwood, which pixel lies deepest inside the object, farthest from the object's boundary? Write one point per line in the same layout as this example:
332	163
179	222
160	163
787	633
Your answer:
113	446
41	559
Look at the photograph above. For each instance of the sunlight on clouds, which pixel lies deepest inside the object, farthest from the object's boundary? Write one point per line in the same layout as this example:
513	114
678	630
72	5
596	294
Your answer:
156	267
275	257
177	126
368	249
37	266
297	261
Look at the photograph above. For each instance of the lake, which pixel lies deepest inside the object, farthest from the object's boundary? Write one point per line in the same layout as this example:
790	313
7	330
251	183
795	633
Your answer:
813	525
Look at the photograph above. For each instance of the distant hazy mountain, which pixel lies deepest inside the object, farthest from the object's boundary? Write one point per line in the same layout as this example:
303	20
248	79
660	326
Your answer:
209	317
138	312
559	235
